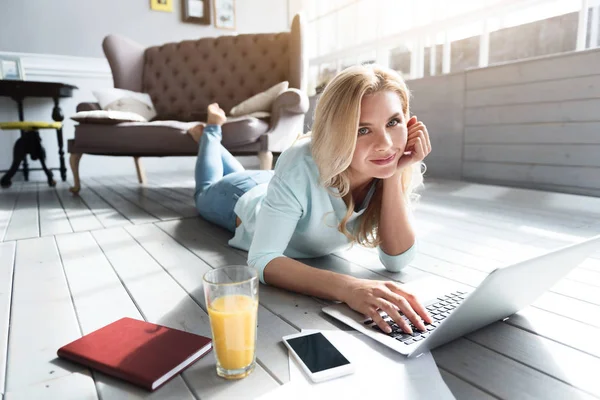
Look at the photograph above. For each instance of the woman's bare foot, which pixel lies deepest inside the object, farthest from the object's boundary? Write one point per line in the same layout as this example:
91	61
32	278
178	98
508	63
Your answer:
216	115
196	132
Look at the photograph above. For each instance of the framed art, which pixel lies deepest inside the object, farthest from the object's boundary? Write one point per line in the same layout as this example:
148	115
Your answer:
162	5
224	14
11	68
196	11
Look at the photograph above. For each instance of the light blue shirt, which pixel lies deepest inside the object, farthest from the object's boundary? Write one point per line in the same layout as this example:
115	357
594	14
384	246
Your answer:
294	216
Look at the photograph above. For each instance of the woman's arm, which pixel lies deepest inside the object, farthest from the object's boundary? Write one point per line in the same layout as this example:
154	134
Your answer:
395	229
298	277
397	235
363	295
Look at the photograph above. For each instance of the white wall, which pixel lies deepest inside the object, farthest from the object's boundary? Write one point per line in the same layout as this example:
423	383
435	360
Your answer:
533	123
88	73
76	27
439	102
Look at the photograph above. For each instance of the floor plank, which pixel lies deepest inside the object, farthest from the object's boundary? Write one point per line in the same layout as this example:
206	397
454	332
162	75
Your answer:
8	200
75	386
476	364
558	328
585	276
171	209
7	258
107	215
184	187
502	209
183	208
24	222
53	219
569	307
150	206
188	270
562	362
523	229
161	300
100	299
577	290
41	303
524	199
463	390
166	188
132	212
592	264
78	212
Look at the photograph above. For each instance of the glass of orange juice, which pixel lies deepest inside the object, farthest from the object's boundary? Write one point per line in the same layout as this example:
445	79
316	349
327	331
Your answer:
231	295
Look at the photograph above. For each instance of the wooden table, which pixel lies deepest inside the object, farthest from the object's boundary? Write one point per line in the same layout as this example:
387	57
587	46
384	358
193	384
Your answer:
121	249
18	91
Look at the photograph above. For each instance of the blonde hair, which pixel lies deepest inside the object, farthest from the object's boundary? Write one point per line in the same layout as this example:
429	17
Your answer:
334	137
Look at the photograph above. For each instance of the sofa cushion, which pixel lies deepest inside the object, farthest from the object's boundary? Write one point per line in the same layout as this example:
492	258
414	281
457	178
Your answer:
260	102
125	100
160	137
106	117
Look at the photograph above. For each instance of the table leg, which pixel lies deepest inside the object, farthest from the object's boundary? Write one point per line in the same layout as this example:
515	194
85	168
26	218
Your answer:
19	101
25	164
19	151
57	115
37	151
61	154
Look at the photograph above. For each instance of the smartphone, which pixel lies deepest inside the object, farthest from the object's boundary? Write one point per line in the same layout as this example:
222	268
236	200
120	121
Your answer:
317	356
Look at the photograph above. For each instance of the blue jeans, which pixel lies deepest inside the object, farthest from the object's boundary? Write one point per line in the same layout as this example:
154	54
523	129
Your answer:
221	180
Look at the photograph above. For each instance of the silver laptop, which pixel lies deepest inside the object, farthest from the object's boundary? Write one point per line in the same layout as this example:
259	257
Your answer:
502	293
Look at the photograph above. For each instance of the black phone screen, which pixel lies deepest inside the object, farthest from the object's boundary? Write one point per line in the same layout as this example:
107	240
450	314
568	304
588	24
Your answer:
317	352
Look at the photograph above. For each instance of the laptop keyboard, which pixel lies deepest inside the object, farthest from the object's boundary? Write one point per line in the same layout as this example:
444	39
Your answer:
438	311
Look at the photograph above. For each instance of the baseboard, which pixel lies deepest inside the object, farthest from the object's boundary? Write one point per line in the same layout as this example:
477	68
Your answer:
43	65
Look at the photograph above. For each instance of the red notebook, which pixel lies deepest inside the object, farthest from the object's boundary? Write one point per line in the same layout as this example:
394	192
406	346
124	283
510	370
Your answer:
139	352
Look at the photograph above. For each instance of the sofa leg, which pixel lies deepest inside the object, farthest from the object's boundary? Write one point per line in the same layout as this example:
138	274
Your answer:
74	161
141	174
266	159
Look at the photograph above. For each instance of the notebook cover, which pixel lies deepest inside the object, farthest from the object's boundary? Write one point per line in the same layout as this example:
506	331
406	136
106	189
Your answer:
136	351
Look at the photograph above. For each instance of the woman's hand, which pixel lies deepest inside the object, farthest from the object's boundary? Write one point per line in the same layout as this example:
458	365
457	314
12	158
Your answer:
368	296
418	145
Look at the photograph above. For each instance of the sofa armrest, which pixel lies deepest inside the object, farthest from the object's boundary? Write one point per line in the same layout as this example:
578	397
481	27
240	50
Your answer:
88	107
287	119
292	101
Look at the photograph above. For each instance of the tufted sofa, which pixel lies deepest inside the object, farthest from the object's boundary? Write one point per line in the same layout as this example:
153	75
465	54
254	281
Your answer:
183	78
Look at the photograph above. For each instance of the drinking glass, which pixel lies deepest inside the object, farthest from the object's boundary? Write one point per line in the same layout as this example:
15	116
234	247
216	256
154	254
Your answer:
231	295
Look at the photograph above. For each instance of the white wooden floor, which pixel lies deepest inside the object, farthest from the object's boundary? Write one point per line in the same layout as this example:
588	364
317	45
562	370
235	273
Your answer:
70	265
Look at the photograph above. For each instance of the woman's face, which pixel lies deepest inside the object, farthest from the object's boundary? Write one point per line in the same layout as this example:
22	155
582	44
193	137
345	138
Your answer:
381	137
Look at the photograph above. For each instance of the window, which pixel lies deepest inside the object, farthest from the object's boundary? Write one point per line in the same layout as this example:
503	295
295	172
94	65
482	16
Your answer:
404	34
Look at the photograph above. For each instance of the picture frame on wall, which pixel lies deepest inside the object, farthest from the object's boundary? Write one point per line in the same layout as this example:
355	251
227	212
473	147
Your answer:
196	11
224	14
11	68
162	5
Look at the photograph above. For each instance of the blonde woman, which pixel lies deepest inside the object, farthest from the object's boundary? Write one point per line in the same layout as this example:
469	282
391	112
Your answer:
350	181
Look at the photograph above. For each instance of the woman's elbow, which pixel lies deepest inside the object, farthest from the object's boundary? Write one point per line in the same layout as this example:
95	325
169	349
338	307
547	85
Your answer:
396	267
398	262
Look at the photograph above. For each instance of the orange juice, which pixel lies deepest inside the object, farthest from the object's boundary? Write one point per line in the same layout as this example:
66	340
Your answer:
233	323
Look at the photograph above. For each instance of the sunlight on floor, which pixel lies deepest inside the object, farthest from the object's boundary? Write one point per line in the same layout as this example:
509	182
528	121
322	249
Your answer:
550	234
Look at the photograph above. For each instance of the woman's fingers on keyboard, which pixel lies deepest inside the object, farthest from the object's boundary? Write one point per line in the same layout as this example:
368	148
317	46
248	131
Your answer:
412	301
422	311
376	317
395	315
407	310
